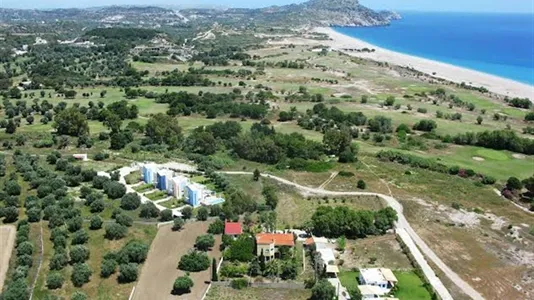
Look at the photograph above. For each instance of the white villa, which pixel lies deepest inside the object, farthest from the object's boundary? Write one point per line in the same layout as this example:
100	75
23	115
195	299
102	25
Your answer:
380	280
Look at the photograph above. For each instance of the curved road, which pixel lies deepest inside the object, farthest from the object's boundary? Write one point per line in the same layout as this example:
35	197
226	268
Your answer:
410	237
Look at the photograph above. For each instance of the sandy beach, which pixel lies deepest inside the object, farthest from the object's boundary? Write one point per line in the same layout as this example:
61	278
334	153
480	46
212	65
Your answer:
449	72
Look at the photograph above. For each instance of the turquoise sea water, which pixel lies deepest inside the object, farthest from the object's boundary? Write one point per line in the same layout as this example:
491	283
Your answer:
498	44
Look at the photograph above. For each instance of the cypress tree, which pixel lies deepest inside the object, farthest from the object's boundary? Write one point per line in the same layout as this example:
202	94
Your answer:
214	276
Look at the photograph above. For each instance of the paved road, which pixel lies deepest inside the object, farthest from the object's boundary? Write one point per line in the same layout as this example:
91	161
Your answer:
411	236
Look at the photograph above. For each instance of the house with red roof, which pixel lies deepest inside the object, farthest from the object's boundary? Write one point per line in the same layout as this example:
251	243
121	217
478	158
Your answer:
270	243
232	228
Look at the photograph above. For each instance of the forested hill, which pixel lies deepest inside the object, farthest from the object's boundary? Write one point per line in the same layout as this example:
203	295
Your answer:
313	12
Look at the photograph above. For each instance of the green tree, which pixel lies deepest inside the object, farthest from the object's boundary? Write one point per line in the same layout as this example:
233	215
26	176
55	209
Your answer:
178	224
216	227
107	268
256	175
81	273
80	237
148	211
214	276
78	295
202	214
361	184
78	254
95	222
187	213
130	201
323	290
194	261
514	184
71	122
54	280
127	272
479	120
166	215
205	242
182	285
164	129
115	231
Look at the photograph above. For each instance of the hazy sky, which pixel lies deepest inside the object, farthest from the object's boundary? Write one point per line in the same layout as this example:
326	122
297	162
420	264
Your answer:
422	5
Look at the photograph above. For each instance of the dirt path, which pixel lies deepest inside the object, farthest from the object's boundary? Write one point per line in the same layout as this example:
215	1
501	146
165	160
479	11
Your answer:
160	269
324	184
403	224
7	241
40	260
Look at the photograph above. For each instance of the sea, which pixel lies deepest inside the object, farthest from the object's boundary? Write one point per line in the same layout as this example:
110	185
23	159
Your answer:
498	44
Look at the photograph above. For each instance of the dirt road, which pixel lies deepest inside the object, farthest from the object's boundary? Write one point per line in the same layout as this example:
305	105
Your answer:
7	241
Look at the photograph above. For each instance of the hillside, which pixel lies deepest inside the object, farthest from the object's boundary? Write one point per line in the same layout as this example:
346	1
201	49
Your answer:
314	12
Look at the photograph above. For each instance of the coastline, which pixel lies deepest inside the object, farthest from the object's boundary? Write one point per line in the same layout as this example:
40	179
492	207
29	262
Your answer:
495	84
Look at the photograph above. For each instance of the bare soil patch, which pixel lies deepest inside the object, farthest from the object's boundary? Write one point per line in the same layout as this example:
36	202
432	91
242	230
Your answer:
477	158
7	241
161	267
380	251
518	156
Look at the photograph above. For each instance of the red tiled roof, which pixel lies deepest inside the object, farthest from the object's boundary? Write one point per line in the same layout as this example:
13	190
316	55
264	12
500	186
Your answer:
309	241
279	239
232	228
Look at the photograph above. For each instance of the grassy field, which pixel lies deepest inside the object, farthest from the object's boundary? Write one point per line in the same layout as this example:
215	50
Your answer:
157	195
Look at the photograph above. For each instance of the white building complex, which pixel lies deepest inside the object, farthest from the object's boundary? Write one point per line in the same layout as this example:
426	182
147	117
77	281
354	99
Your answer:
376	282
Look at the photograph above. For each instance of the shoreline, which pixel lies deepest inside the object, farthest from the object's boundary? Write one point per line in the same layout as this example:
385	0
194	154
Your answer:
495	84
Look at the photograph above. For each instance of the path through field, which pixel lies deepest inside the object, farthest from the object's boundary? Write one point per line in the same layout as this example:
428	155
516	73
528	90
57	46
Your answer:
7	241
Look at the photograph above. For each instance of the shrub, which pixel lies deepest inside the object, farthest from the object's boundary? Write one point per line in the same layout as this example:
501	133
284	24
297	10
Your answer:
216	227
182	285
107	268
148	211
239	284
80	237
96	222
124	219
166	215
178	224
202	214
127	273
79	254
114	189
130	201
133	252
78	295
205	242
361	184
346	174
54	280
187	213
59	261
115	231
488	180
81	273
25	248
195	261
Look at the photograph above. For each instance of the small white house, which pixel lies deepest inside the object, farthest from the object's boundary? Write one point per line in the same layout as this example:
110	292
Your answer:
382	278
328	260
82	157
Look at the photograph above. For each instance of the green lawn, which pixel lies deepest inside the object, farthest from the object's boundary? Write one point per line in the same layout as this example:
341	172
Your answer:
157	195
349	279
144	187
410	287
173	203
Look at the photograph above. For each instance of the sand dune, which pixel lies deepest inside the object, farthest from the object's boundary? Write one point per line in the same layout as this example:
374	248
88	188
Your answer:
449	72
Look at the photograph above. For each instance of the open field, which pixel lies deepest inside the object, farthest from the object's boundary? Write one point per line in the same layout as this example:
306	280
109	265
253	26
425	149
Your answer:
227	293
160	269
7	242
375	251
97	288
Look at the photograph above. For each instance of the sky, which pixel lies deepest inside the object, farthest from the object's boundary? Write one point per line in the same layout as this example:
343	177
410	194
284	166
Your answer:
525	6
